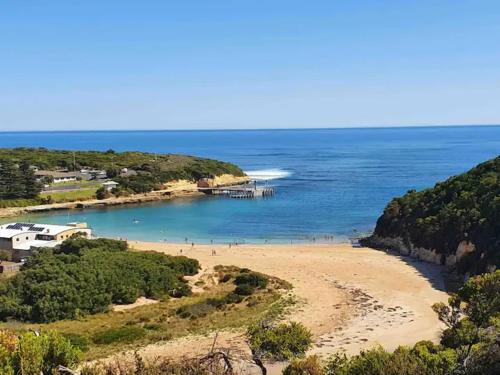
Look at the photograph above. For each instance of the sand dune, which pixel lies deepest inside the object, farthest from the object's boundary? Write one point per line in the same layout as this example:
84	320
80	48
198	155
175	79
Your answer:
350	298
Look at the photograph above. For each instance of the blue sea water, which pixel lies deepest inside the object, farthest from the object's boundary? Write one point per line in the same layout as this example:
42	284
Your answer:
328	181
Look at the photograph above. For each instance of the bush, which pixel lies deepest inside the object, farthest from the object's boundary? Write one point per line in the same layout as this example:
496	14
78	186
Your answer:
85	276
78	341
195	311
5	255
101	193
281	342
125	334
308	366
244	290
34	354
252	278
233	298
225	278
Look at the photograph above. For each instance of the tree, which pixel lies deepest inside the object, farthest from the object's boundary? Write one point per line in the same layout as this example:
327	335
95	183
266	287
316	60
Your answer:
11	181
472	317
101	193
112	172
462	209
31	186
279	342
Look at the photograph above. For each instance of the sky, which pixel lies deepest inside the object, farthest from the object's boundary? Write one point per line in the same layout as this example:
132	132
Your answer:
96	65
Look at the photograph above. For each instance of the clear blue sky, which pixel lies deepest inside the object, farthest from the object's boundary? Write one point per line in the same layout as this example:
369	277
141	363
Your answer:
105	64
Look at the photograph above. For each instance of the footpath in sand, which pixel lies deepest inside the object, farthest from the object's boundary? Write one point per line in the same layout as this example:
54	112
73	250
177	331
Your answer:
350	298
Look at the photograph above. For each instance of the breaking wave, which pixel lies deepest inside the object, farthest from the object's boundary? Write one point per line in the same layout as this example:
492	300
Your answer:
268	174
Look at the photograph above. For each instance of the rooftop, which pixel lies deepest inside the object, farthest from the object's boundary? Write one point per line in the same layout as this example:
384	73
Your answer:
56	174
11	229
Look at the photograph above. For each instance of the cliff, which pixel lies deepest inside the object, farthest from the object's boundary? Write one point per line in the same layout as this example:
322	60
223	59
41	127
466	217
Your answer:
456	223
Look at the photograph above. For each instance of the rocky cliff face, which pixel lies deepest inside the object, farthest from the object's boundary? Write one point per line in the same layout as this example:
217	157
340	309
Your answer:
428	255
455	223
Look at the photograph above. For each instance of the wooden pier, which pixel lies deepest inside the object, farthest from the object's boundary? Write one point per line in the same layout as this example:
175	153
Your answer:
247	191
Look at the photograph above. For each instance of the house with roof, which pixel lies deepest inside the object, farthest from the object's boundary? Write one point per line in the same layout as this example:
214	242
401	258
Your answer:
57	176
110	185
21	239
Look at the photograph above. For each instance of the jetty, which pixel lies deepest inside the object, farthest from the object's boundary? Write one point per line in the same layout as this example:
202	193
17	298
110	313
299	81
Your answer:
245	191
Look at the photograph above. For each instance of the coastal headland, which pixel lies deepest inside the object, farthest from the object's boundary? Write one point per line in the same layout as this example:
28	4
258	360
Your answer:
350	298
171	190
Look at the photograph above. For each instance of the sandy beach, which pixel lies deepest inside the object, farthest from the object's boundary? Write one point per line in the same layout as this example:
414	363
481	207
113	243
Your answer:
350	298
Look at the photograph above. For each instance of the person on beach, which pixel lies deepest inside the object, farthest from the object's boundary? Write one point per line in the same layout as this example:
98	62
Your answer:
180	251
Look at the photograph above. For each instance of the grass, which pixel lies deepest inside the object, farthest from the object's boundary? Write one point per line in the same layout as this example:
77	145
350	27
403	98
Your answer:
6	203
110	332
70	195
81	184
57	197
121	334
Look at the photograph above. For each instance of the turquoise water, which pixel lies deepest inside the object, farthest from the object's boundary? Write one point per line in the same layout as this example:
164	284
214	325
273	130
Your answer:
328	182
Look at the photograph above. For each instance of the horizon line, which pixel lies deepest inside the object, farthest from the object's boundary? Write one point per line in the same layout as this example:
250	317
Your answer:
360	127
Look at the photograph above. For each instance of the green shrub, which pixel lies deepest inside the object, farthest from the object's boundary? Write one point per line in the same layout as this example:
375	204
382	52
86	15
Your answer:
32	353
307	366
125	334
225	278
233	298
78	341
244	290
195	311
5	255
281	342
252	278
218	303
85	276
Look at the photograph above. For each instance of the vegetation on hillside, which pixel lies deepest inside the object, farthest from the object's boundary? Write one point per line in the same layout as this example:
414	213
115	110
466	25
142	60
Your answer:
17	180
463	208
469	346
84	276
18	186
33	353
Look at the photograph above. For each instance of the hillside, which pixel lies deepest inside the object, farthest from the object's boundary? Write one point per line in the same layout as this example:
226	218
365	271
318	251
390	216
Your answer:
23	171
166	167
456	223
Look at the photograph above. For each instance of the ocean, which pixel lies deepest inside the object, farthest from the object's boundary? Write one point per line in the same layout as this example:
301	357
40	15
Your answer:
329	182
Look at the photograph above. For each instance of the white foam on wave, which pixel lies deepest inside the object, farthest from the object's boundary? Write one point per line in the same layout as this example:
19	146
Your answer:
268	174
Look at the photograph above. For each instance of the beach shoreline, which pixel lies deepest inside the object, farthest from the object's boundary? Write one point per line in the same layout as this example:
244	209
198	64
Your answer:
172	190
350	298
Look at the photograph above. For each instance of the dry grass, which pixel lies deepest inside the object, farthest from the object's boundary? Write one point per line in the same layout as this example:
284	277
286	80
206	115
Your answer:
107	333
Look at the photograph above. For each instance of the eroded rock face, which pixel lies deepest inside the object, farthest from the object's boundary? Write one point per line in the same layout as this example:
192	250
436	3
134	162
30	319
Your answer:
464	248
399	245
428	255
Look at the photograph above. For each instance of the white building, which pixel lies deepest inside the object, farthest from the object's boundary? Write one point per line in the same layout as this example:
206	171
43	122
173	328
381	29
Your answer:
57	176
21	239
109	185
